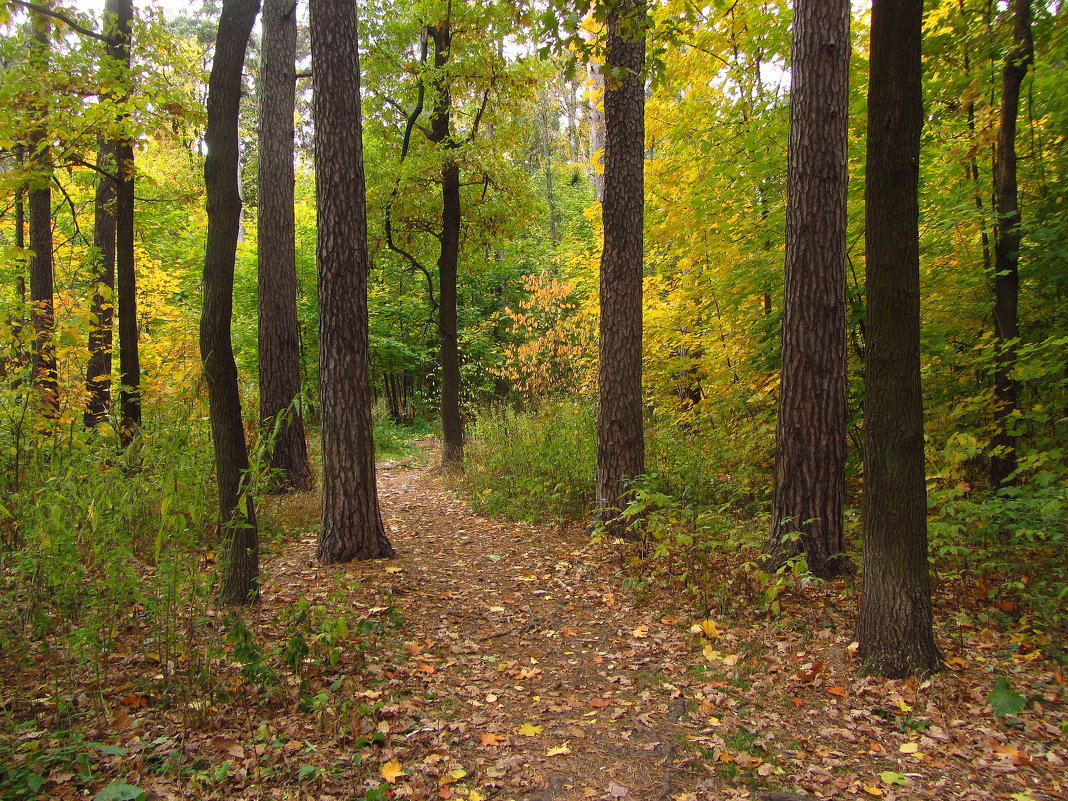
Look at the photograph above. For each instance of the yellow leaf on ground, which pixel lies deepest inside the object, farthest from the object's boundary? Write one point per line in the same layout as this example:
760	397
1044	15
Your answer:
558	749
529	730
872	790
909	748
391	770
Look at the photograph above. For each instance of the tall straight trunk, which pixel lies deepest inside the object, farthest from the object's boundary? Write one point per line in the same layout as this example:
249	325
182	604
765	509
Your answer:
42	288
279	331
894	628
452	451
352	522
98	370
807	510
620	436
237	516
119	22
1007	253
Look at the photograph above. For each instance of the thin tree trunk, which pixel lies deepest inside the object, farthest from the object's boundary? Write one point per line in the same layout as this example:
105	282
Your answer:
279	336
894	627
807	510
98	370
1007	253
452	451
42	289
352	522
237	516
596	120
620	436
120	14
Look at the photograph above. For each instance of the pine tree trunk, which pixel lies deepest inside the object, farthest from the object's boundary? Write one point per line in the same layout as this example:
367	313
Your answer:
352	522
894	628
1007	253
810	437
279	335
620	436
237	517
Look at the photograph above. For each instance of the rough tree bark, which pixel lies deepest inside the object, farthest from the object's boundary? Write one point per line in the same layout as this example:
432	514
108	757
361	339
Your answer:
894	628
1007	251
620	436
351	522
279	334
811	432
237	516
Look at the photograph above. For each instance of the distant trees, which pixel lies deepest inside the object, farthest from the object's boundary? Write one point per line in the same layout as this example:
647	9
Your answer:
894	629
807	508
620	433
351	522
237	515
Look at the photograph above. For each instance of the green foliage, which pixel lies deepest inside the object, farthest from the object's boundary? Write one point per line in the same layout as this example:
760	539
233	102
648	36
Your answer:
533	465
120	791
1006	701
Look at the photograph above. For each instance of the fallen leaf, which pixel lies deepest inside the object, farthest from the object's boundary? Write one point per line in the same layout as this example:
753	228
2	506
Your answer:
870	790
838	691
489	738
909	748
391	770
598	703
640	632
558	749
529	730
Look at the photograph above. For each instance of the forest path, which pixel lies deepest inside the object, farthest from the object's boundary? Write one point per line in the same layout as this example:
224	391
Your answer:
524	670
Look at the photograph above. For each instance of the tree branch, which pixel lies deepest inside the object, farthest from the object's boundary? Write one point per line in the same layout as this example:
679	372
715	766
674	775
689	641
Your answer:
48	12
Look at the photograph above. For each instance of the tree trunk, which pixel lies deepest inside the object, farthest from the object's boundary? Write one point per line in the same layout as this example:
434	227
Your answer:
352	523
620	437
237	516
42	290
121	14
279	336
894	628
452	450
811	433
98	371
1007	253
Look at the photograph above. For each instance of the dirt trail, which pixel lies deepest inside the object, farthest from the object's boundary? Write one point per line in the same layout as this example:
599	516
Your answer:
524	667
519	667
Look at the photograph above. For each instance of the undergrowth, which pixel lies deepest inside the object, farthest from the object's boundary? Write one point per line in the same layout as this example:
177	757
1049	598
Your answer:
703	504
536	466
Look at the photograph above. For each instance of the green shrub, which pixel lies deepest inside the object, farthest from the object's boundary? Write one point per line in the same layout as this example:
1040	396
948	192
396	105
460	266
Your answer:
534	465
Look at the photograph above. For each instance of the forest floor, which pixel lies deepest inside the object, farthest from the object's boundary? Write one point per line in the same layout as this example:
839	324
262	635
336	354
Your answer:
492	660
